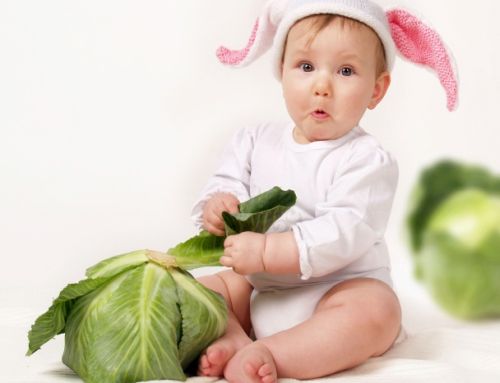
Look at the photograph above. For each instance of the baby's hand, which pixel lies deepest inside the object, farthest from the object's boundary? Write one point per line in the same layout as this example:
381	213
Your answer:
212	212
244	252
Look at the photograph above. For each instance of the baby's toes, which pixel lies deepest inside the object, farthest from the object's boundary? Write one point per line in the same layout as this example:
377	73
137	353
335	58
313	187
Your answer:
217	355
253	363
267	373
213	361
203	365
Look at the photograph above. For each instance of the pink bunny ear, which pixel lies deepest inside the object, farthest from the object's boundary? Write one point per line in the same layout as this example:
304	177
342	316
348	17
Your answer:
236	57
259	42
422	45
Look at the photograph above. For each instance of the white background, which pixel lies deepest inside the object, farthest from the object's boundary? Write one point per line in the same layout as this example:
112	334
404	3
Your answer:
113	114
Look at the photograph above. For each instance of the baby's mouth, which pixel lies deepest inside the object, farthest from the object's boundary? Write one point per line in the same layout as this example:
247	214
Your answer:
320	114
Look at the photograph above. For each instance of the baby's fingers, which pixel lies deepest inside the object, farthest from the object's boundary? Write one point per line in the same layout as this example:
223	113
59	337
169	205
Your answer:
226	261
215	227
231	205
213	230
213	224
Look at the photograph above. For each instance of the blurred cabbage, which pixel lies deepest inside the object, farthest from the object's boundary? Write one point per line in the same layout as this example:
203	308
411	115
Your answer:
453	227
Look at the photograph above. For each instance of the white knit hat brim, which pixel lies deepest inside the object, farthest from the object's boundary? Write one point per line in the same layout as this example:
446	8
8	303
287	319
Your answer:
374	17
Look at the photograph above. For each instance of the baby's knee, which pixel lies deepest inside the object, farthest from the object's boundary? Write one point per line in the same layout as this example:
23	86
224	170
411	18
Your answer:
384	316
381	305
236	291
385	311
214	283
389	308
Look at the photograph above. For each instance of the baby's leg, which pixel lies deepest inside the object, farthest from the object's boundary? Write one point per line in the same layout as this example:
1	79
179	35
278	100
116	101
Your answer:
354	321
236	290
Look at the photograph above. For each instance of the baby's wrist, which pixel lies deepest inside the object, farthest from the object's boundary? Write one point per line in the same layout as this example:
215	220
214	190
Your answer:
281	254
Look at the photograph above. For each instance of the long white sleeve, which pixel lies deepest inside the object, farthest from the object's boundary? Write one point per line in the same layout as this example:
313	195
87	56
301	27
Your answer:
231	176
352	220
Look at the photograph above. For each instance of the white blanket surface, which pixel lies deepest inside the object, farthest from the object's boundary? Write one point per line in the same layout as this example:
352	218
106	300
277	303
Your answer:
438	348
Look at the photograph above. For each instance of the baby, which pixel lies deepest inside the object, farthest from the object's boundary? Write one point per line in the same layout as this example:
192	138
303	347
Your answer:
312	296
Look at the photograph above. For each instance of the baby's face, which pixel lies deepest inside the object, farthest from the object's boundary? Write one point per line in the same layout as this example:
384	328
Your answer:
330	82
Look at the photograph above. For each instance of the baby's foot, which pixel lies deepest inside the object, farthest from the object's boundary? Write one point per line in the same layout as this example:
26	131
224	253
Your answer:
253	363
214	359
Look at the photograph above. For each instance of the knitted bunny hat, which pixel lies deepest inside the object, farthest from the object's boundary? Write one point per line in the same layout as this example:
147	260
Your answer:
397	29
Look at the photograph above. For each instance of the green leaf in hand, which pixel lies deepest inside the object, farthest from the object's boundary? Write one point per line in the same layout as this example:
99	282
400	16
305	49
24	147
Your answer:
257	215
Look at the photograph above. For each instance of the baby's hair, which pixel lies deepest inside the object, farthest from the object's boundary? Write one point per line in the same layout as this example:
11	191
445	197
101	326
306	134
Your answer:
321	21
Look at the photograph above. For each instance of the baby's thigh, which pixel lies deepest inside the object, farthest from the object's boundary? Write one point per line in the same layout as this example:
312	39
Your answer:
367	301
236	291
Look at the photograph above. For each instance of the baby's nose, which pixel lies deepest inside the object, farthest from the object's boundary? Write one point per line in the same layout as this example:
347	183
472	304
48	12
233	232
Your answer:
323	93
322	88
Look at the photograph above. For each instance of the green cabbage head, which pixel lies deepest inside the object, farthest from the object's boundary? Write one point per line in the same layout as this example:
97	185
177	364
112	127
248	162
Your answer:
142	316
455	231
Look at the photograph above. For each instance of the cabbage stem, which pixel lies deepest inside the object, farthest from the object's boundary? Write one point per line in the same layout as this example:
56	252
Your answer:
163	259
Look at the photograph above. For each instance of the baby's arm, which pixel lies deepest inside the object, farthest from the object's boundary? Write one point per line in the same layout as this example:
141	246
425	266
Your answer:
350	223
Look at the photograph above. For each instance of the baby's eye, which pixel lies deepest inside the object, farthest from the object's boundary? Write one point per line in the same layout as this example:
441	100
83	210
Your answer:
346	71
306	67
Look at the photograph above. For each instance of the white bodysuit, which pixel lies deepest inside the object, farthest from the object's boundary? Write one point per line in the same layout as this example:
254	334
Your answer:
344	187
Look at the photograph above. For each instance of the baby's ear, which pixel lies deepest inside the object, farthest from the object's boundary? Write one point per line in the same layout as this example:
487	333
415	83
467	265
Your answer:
380	89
